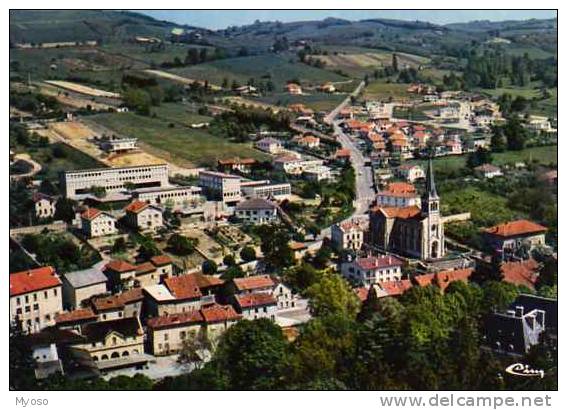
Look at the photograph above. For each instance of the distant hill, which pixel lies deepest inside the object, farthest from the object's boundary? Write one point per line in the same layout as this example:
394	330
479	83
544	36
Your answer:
34	26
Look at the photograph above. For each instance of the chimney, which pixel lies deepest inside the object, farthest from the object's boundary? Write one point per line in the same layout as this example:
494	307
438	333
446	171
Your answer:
519	311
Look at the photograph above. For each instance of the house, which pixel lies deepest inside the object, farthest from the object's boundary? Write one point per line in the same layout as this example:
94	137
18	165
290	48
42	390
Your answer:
398	194
511	236
373	269
143	216
348	235
111	344
515	331
295	165
443	279
251	284
342	155
327	87
246	89
163	265
121	274
44	205
168	334
119	145
118	306
266	189
81	285
549	178
284	296
395	288
221	187
318	173
75	318
35	298
256	306
95	223
410	172
488	171
308	141
293	89
243	165
257	211
270	145
540	124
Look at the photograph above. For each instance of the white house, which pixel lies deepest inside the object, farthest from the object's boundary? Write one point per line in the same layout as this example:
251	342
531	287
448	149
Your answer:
80	285
143	216
270	145
257	211
488	171
410	172
317	173
348	235
95	223
44	205
373	269
256	306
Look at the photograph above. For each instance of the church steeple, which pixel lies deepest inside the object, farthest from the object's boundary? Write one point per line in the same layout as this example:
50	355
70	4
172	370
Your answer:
430	189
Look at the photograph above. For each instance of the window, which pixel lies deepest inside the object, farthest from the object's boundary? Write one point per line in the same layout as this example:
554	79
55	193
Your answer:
35	297
54	292
18	301
28	309
45	294
165	336
35	306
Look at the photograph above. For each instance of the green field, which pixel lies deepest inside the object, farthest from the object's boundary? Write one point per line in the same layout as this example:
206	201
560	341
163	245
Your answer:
544	155
276	68
144	53
382	91
316	101
179	114
188	147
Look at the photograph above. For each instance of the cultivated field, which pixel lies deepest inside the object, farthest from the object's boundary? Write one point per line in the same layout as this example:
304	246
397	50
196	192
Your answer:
179	79
83	89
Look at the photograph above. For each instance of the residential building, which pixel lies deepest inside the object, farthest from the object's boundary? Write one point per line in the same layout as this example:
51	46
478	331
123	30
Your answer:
251	284
295	165
294	89
243	165
122	305
373	269
398	194
76	183
81	285
44	205
35	298
95	223
143	216
75	318
284	296
443	279
410	172
256	306
168	334
488	171
348	235
221	187
539	123
257	211
412	231
118	145
121	274
521	273
308	141
319	173
265	189
270	145
511	236
395	288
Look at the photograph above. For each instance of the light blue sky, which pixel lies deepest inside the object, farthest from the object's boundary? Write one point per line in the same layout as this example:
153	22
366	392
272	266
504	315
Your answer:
216	19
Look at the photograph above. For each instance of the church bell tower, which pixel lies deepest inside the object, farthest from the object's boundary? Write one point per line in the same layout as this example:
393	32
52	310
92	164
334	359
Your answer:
434	236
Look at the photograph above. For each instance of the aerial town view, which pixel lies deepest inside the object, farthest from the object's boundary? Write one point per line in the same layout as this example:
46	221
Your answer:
287	200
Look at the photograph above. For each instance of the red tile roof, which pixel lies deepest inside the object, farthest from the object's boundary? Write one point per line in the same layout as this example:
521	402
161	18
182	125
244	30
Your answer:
361	293
514	228
160	260
521	273
33	280
177	319
136	206
400	212
255	300
118	301
443	279
183	287
145	267
253	282
374	262
75	316
91	214
217	313
401	187
120	266
395	288
206	281
342	152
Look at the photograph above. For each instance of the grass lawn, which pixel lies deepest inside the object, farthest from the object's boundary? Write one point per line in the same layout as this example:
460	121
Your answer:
276	68
180	114
382	91
316	101
186	146
142	53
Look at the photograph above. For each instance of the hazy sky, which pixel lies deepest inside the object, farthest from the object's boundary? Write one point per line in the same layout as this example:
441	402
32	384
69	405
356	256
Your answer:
216	19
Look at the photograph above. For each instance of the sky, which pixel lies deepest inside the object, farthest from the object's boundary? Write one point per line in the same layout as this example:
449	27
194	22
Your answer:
218	19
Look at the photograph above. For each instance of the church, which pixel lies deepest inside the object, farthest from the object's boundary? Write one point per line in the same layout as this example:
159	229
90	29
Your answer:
411	231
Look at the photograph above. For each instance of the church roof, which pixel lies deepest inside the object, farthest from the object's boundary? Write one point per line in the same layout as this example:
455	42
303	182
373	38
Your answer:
400	212
430	188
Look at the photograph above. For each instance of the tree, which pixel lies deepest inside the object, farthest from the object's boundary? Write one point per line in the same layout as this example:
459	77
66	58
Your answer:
253	352
497	141
148	248
209	267
479	157
180	245
48	188
232	272
332	295
248	254
119	246
395	62
98	191
516	134
275	246
498	296
229	260
65	210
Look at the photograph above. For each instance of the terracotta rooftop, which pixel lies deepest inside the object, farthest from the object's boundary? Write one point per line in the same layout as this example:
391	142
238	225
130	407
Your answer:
400	212
75	316
33	280
514	228
253	282
118	301
395	288
255	203
183	287
217	313
160	260
443	279
120	266
521	273
91	214
136	206
255	299
378	262
145	267
177	319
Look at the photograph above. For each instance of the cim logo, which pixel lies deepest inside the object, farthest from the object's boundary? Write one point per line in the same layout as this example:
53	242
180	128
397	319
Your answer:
524	370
